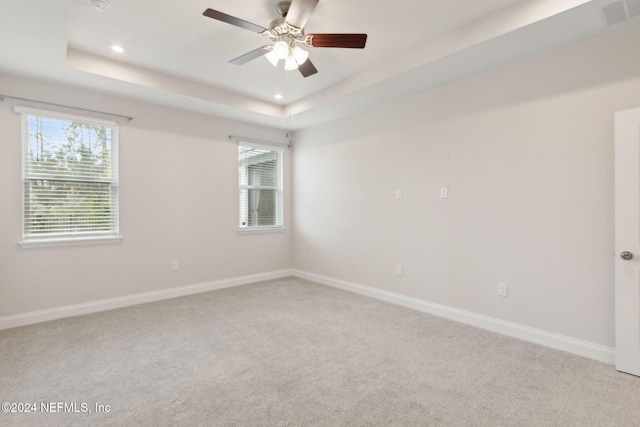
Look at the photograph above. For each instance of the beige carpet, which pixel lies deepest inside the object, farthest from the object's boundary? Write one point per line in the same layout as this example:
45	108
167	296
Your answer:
291	352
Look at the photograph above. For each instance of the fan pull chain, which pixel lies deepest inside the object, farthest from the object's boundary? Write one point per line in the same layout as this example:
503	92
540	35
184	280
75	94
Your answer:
288	109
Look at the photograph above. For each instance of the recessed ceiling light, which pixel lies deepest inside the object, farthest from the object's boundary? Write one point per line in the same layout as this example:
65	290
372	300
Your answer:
117	48
278	96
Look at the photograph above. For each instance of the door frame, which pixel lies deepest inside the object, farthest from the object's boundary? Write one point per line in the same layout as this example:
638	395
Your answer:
627	238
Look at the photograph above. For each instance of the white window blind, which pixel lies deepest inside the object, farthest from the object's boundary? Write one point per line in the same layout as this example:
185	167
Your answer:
260	177
70	176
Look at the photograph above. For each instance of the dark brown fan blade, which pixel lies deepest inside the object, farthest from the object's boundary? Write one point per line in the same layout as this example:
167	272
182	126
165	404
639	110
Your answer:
233	21
256	53
307	69
352	41
299	12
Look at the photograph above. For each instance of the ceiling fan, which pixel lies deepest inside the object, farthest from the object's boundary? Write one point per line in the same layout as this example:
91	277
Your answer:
288	33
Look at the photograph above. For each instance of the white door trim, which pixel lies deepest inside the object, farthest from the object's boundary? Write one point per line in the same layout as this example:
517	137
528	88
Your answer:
627	238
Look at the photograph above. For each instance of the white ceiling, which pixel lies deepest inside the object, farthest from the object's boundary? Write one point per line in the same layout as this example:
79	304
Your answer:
177	57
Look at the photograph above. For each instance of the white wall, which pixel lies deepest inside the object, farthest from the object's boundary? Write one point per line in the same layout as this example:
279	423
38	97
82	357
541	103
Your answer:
527	153
178	201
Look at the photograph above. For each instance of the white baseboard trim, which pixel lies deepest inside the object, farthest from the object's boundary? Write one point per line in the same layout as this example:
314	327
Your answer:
526	333
537	336
129	300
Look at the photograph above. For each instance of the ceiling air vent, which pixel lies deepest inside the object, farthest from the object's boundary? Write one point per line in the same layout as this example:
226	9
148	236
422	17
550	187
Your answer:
620	10
100	5
614	13
633	7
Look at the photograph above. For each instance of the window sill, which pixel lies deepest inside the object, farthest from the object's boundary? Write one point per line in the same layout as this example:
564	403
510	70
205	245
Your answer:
69	241
252	230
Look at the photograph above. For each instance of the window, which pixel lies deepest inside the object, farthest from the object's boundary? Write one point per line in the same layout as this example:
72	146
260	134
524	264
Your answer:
260	177
70	177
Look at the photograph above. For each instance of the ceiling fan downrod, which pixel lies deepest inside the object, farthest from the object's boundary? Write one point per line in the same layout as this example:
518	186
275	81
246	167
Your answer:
283	8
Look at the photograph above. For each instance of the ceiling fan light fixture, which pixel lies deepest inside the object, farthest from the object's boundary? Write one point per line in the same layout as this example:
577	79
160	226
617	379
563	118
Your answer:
273	58
290	63
281	49
300	55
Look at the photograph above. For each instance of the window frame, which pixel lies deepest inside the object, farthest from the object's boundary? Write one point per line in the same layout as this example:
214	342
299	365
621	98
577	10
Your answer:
279	149
69	237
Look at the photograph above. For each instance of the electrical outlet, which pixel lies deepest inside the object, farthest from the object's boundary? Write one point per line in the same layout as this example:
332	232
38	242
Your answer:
175	266
503	290
399	271
444	192
399	194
